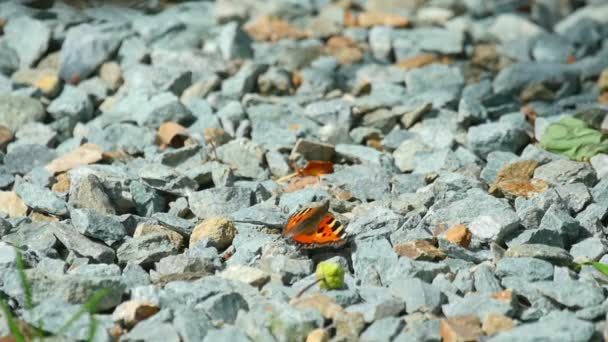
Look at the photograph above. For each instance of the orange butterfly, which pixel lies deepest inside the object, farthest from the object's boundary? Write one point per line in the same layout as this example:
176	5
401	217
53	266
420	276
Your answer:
315	227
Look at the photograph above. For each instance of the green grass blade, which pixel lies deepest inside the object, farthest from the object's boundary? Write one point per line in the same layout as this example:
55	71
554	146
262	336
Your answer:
603	268
89	306
92	328
10	320
25	283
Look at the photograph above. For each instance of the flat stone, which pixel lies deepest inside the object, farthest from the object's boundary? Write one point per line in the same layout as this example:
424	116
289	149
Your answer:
496	136
220	201
244	81
23	158
29	51
485	281
90	193
250	275
493	324
384	329
147	228
146	249
106	228
41	199
530	269
234	42
554	255
556	325
312	150
563	171
73	241
16	111
244	156
418	295
86	47
364	182
478	305
591	249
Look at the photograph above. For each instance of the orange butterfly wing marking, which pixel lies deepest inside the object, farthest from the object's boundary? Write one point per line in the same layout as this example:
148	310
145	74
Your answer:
296	219
329	231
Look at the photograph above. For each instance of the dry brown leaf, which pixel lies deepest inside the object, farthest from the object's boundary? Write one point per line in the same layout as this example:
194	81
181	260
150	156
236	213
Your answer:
417	61
299	183
172	134
504	295
11	204
62	183
459	234
265	28
369	19
603	98
88	153
344	49
5	136
375	143
515	180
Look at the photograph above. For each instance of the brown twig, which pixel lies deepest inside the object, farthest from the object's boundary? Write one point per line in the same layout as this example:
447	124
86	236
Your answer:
308	287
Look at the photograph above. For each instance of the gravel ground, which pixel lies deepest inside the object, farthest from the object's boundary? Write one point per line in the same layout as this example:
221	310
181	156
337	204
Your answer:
149	150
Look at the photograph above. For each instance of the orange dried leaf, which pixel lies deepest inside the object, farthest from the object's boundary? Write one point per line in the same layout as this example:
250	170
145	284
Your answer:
172	134
316	168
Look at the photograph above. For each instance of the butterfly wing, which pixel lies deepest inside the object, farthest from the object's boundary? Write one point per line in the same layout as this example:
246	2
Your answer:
305	221
329	233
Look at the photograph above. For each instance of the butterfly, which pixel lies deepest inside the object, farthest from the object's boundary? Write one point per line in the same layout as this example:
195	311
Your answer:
315	227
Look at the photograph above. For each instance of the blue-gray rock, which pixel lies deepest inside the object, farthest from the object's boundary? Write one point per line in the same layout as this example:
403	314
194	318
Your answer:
552	48
90	223
510	27
157	328
74	104
23	158
372	259
79	244
28	50
41	199
161	108
152	79
592	217
227	333
52	314
555	255
167	179
422	330
146	249
424	270
434	77
530	269
362	181
233	42
244	81
576	196
122	136
133	275
224	306
417	294
191	325
220	201
496	136
487	217
596	12
16	111
377	304
33	235
591	248
515	77
9	62
432	39
563	171
244	156
543	236
148	201
35	133
571	293
485	281
556	326
556	218
384	329
479	305
86	47
290	270
365	155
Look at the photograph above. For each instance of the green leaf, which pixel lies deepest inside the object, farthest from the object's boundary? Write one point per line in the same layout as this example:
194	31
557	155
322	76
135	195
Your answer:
10	320
574	139
90	306
330	274
603	268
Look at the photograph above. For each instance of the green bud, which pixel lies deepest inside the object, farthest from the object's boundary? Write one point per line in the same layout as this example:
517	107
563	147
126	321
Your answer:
330	274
